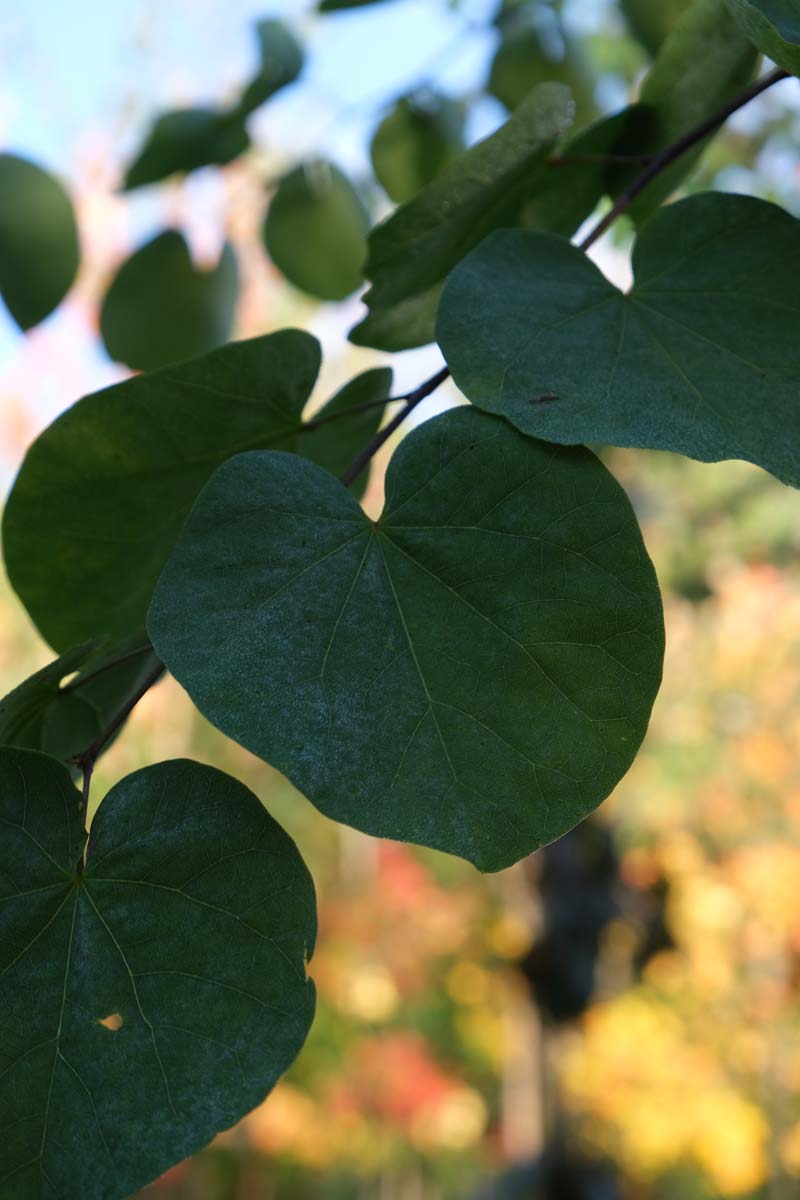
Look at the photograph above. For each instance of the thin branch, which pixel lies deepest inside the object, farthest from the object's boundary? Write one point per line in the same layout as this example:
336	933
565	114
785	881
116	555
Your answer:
325	418
678	148
412	399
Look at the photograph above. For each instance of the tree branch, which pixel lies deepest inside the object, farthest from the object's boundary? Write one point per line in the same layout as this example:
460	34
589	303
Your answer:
665	158
412	399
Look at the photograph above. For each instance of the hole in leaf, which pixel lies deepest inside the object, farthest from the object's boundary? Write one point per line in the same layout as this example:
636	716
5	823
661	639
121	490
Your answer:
113	1022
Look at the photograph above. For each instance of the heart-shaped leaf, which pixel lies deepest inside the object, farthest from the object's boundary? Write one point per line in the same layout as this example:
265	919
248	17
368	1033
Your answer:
700	357
473	672
773	26
63	720
154	999
103	492
316	231
161	308
39	250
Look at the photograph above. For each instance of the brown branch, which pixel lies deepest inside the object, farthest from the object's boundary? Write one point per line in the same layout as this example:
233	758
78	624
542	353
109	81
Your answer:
412	399
665	158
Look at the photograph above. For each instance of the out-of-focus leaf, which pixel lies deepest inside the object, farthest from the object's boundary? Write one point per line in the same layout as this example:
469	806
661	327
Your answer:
481	190
704	62
652	23
701	357
413	142
154	999
526	57
316	231
161	308
39	251
281	63
103	492
503	610
183	141
774	27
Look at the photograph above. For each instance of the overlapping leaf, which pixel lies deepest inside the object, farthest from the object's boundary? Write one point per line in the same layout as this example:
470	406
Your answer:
153	1000
773	26
473	672
161	308
700	357
651	23
103	492
39	250
44	713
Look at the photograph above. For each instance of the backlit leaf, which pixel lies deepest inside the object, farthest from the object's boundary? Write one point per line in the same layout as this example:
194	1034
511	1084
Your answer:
315	231
39	252
161	308
281	63
184	140
700	357
414	141
473	672
155	999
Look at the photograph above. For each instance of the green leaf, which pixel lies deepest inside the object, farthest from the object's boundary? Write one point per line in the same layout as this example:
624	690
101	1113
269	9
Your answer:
39	251
103	492
401	326
482	190
63	721
184	140
315	231
154	1000
161	308
700	357
651	23
527	56
421	135
338	438
473	672
703	64
559	199
281	63
773	26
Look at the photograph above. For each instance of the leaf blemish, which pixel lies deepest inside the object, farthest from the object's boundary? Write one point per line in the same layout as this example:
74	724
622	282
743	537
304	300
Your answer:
113	1022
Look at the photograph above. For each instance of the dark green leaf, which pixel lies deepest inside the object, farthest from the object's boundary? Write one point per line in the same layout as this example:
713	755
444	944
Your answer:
413	142
103	492
338	438
701	357
482	190
161	308
773	26
63	721
154	1000
183	141
316	229
401	326
39	251
473	672
281	63
651	23
703	64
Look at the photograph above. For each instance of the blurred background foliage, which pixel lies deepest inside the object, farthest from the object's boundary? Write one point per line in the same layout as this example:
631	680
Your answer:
617	1018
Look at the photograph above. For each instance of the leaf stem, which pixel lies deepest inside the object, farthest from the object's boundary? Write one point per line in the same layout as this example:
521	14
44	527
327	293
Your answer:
87	759
81	679
325	418
412	399
671	153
